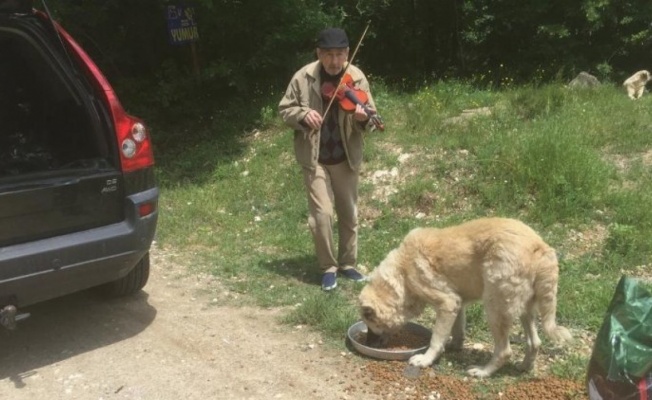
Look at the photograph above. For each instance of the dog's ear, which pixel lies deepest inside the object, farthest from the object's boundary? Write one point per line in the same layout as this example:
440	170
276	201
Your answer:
368	313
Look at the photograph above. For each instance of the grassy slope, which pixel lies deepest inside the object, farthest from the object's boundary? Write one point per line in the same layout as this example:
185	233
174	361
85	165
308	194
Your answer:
573	164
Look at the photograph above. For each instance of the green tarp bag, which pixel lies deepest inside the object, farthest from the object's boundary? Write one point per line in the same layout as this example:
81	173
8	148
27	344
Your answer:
621	362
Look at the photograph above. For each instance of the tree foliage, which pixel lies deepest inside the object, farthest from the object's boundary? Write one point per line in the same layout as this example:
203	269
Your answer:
252	46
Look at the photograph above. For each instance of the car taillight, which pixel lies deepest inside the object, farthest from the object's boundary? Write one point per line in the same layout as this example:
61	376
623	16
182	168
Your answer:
133	139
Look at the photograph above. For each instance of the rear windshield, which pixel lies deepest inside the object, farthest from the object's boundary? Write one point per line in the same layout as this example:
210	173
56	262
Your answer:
45	123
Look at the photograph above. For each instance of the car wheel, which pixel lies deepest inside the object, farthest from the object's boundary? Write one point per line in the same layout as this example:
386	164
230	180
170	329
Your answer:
131	283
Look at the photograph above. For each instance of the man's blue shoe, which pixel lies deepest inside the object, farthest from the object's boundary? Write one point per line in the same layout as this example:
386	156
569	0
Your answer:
329	281
353	274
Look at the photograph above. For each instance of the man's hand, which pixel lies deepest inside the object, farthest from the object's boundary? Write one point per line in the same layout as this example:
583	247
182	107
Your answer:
313	120
360	114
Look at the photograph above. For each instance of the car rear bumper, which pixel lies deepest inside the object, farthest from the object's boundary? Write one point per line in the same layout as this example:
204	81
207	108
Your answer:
53	267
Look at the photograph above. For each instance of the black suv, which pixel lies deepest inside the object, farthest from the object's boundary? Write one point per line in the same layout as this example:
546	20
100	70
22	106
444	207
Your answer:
78	198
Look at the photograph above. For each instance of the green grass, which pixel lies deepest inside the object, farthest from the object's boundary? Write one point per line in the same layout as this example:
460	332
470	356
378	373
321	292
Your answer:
574	164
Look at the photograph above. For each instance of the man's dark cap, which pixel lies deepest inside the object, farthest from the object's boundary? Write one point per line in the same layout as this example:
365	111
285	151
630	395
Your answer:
332	38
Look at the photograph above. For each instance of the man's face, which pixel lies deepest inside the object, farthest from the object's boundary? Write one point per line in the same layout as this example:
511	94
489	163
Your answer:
333	59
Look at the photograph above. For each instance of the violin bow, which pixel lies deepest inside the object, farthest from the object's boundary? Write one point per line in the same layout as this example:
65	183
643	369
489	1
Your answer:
355	51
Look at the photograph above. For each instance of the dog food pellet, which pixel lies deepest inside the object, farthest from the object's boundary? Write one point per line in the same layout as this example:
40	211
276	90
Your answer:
389	380
402	340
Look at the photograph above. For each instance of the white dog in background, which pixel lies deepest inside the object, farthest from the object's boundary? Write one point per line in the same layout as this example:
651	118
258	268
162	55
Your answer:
501	262
635	84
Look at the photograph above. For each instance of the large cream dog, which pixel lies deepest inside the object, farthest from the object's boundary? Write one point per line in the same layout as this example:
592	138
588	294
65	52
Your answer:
501	262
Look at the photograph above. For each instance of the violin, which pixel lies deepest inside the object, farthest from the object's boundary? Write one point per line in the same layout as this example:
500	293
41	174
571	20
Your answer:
348	96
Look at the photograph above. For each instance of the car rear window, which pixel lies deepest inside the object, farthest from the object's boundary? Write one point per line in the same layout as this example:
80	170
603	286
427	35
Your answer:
44	124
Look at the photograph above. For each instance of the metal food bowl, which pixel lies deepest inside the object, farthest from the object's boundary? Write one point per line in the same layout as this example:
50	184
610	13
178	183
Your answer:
386	354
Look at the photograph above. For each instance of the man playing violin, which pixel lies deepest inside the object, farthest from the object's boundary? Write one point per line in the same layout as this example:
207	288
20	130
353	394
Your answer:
328	144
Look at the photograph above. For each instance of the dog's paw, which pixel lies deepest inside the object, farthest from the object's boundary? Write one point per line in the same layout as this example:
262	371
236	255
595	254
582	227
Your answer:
478	372
525	366
421	360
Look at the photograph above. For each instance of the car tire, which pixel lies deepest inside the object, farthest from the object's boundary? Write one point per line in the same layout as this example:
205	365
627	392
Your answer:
133	282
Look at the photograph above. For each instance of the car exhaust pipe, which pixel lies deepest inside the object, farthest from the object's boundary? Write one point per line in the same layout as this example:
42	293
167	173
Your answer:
9	316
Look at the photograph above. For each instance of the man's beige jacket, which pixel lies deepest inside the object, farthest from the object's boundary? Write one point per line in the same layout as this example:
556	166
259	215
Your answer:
302	95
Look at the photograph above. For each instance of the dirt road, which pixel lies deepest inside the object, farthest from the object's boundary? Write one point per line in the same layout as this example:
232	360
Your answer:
169	342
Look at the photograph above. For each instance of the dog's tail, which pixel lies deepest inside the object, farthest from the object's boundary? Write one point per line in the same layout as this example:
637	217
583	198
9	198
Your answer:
545	294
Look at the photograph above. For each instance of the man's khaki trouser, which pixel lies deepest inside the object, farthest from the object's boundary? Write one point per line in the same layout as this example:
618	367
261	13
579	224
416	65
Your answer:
329	185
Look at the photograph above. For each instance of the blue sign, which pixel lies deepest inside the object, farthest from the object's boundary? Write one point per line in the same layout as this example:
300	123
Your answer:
182	26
